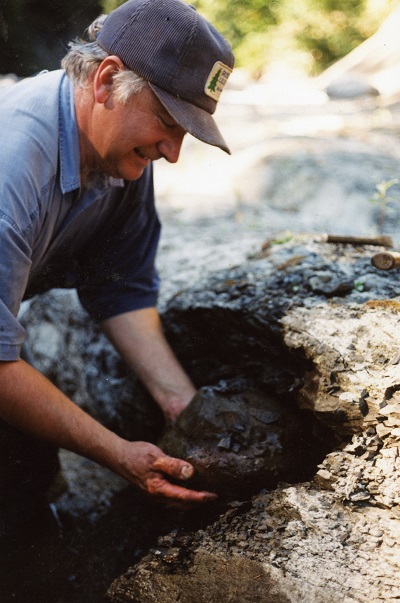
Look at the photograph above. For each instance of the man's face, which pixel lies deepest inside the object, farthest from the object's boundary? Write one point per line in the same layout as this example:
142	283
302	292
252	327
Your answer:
123	139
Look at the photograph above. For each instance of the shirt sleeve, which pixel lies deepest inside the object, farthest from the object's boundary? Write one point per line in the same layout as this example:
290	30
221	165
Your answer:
28	160
14	270
119	273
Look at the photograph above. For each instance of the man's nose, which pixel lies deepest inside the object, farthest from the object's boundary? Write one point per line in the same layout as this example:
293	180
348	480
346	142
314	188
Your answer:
170	147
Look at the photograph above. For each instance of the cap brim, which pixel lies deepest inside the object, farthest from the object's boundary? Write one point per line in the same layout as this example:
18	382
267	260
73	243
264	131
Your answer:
198	122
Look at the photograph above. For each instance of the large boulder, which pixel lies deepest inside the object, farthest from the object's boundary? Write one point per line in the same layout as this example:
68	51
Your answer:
239	439
313	324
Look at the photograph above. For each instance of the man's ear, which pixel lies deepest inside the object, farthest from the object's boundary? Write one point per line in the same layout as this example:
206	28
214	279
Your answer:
103	79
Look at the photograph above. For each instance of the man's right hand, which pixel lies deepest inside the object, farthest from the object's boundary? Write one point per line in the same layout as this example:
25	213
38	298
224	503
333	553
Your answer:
147	467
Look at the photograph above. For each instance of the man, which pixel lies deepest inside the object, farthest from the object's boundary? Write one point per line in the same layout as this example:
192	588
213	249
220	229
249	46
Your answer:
77	210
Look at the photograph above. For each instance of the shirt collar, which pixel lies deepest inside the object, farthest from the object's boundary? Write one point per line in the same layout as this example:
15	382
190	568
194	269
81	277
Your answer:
69	139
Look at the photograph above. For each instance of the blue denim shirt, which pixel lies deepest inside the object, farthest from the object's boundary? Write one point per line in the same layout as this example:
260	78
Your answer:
53	233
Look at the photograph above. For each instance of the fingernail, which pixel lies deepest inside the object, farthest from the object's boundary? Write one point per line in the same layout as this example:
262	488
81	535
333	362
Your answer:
186	472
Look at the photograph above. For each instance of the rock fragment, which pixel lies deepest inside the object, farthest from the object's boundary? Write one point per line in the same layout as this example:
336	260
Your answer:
242	439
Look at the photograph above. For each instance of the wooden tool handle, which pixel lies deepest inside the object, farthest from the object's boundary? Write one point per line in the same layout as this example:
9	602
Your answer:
386	260
345	239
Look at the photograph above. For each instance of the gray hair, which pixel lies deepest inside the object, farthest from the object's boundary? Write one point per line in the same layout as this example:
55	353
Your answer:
84	58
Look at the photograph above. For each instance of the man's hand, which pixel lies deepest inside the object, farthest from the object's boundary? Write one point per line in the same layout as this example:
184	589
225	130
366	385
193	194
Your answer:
173	409
31	403
147	466
139	338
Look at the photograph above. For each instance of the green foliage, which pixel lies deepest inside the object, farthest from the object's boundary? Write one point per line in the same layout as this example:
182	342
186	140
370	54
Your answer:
329	29
285	237
359	284
239	19
109	5
316	32
382	199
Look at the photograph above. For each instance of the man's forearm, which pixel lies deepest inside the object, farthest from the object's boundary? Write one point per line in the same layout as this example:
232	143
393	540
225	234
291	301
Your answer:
139	338
33	404
29	402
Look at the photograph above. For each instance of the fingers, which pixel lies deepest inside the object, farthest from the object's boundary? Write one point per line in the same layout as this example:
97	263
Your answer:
158	486
146	466
174	467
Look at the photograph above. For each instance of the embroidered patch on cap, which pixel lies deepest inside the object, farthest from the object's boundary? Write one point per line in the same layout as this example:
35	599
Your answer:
217	79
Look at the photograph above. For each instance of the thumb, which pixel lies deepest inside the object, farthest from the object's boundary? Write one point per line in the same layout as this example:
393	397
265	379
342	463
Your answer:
174	467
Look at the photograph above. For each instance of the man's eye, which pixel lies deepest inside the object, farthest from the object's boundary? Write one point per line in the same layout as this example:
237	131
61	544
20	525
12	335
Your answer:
165	123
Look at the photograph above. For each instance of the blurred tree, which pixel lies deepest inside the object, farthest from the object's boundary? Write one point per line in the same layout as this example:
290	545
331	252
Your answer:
247	24
327	30
34	33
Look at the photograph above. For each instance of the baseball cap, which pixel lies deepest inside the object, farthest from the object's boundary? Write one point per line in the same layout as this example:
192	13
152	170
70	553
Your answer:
185	60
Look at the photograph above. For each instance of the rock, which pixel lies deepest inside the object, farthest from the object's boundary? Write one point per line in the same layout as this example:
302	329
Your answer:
329	355
350	87
294	544
241	439
330	285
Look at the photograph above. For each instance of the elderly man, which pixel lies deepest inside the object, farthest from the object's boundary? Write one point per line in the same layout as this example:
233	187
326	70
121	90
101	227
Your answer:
77	210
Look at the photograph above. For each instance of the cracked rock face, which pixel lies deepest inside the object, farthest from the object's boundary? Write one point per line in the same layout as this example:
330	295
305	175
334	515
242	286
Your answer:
240	438
285	325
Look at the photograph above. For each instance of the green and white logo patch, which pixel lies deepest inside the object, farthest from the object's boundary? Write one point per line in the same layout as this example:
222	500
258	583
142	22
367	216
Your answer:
217	79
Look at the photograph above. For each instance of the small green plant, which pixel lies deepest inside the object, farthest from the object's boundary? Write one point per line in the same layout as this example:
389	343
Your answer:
359	284
285	237
382	199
